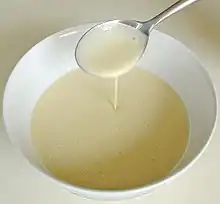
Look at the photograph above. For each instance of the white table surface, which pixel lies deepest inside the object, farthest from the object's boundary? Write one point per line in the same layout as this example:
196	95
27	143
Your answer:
25	22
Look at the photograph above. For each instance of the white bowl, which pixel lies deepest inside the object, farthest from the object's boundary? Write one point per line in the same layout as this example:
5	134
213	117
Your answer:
54	57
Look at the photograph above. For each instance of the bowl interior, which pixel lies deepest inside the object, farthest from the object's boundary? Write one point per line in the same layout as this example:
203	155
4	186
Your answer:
54	57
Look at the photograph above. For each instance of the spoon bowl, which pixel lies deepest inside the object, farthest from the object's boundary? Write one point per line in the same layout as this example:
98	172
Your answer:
110	49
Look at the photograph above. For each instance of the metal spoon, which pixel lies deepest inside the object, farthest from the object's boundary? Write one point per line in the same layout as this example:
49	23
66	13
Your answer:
145	27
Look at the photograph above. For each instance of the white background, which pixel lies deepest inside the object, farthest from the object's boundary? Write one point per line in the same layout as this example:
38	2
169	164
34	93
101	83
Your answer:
25	22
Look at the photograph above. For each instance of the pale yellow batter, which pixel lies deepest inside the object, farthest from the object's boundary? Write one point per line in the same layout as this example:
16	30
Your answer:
81	139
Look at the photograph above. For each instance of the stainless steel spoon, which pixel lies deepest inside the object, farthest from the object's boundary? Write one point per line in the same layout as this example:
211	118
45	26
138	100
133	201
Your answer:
145	27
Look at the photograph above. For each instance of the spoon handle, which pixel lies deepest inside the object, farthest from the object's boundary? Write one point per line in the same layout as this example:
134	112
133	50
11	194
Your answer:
179	5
